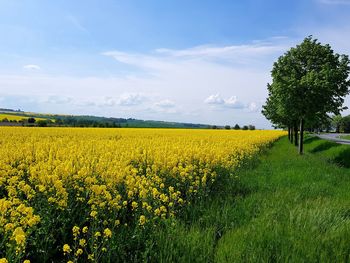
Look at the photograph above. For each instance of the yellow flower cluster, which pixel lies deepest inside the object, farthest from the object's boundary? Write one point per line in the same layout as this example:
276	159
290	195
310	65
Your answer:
117	174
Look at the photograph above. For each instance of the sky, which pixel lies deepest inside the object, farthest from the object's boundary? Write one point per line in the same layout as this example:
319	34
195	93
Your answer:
195	61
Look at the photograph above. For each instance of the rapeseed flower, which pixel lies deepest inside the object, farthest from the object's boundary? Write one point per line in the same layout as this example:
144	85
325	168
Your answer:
144	175
66	249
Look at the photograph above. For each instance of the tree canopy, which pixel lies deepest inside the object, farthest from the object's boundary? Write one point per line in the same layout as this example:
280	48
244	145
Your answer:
309	82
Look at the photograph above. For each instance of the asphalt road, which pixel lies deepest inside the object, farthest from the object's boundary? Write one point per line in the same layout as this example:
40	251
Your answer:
334	137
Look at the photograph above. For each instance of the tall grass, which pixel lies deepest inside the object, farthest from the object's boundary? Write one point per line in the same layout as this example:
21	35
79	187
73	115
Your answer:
283	208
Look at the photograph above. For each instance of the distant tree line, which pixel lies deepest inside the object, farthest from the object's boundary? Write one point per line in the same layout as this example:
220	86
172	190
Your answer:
7	120
68	122
236	127
24	121
81	122
93	121
338	124
11	110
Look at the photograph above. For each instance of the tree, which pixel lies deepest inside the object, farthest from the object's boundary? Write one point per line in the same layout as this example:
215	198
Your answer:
245	127
251	127
345	125
308	82
236	127
227	127
31	120
337	121
42	123
58	121
274	112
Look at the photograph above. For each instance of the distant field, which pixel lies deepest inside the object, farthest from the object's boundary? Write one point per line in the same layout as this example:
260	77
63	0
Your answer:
11	117
97	121
14	117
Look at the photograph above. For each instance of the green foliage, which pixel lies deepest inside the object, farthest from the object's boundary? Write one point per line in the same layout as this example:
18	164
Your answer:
42	123
345	124
337	122
332	152
236	127
31	120
308	82
324	145
345	137
273	110
181	243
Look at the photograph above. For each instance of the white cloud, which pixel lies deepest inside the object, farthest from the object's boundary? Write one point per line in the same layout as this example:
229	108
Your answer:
225	52
166	75
55	99
255	106
242	70
165	59
108	101
31	67
165	104
214	100
138	60
231	102
154	109
131	99
85	103
126	99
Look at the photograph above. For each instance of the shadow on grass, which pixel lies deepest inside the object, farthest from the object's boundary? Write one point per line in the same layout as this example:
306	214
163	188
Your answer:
343	158
324	146
311	139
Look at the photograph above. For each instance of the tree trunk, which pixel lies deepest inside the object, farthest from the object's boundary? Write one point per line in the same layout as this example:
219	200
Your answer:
301	143
291	135
288	133
295	134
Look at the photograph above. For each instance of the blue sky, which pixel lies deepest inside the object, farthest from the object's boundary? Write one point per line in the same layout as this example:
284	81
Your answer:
191	61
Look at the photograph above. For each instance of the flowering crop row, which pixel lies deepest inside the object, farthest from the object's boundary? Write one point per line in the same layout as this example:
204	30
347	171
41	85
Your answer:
66	192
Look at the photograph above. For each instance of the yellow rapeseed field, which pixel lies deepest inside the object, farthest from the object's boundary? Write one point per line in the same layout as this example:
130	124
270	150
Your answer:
83	186
13	117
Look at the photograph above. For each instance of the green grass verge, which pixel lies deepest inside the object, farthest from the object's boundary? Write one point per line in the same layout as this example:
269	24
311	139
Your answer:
345	137
283	208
